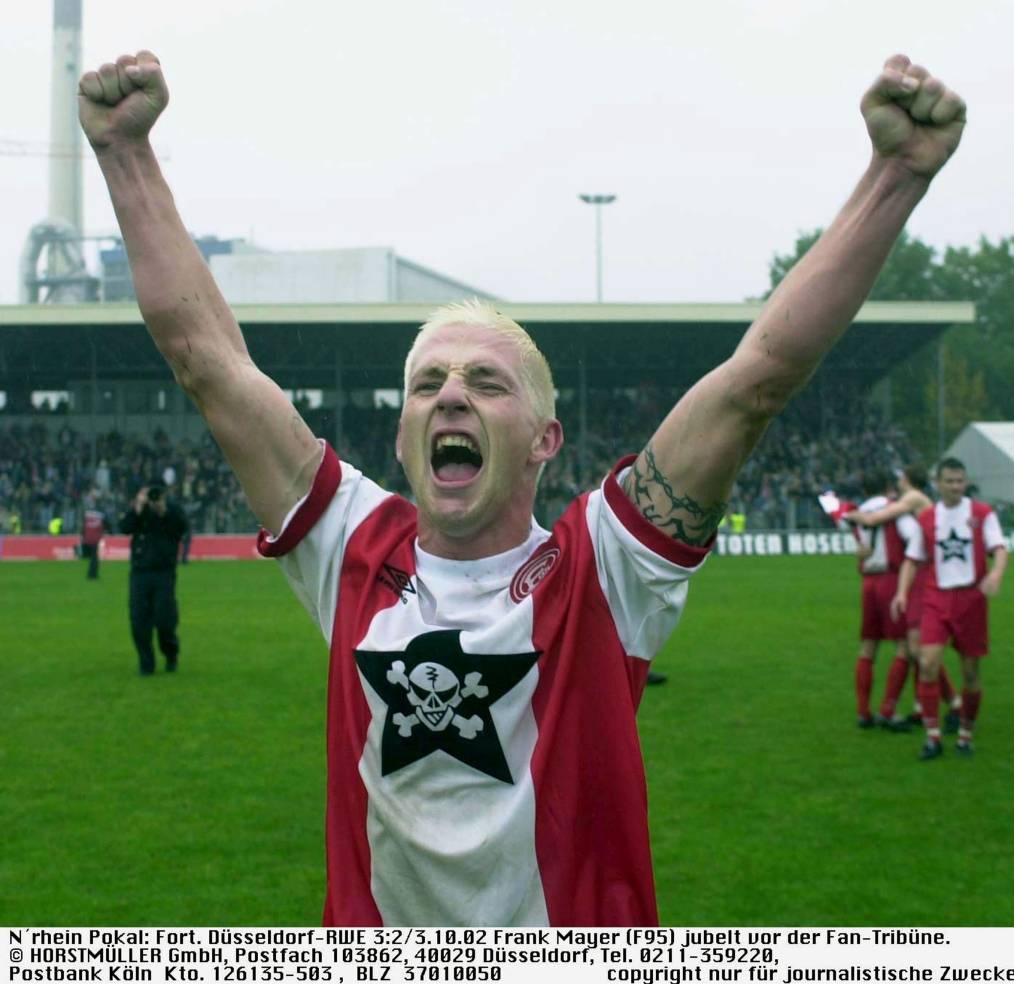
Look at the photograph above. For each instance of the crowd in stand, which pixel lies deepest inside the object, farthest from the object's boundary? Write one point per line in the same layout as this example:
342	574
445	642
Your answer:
798	458
45	474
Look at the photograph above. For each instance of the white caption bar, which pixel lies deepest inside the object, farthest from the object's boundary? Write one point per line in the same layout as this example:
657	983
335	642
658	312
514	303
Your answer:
564	956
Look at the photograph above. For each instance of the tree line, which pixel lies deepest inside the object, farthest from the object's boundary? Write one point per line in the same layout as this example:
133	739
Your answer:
978	361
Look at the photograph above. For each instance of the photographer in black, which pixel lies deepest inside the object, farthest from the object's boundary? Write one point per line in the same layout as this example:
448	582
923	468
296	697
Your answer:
155	527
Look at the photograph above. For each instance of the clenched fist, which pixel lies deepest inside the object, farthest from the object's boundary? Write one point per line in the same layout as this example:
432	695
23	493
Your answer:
121	102
912	117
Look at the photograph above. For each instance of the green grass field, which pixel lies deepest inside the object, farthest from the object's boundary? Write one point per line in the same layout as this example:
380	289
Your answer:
197	799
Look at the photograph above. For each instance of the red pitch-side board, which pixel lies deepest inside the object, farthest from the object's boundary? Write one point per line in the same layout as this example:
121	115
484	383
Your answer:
203	547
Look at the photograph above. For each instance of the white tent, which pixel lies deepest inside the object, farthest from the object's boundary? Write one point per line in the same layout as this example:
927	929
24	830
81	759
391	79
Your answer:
987	450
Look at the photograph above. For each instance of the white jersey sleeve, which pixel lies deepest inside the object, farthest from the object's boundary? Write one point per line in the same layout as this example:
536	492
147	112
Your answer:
643	572
311	544
868	538
915	545
992	534
907	528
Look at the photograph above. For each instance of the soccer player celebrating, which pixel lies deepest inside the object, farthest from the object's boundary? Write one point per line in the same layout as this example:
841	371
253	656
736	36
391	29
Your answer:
483	761
956	535
911	501
879	562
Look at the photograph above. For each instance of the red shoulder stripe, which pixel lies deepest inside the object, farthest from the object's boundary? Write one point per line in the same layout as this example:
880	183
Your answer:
325	484
646	531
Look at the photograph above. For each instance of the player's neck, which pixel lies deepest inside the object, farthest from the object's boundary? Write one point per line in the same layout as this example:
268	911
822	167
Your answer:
496	538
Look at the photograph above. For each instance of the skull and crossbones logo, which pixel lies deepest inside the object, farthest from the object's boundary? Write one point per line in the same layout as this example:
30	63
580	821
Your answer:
435	692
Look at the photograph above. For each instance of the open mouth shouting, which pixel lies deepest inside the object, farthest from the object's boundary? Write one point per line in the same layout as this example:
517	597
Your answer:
455	459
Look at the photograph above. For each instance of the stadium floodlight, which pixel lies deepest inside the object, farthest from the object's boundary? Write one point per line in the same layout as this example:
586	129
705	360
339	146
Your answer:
598	201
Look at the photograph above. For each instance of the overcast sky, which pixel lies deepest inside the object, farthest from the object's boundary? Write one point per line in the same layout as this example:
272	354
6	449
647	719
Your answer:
460	132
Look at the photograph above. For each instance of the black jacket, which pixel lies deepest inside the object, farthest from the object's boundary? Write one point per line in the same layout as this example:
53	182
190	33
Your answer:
154	539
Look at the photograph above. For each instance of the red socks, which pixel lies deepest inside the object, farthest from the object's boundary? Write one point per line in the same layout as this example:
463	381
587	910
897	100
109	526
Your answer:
929	698
947	691
896	677
864	684
970	702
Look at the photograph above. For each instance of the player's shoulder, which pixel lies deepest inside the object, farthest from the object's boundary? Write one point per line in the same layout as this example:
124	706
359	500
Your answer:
980	509
388	518
916	501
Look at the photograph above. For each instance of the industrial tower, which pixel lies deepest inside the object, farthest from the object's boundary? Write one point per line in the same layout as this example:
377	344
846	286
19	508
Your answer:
53	268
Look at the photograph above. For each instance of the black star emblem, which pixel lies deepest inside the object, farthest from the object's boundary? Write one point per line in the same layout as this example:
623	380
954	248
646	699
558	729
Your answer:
438	697
953	546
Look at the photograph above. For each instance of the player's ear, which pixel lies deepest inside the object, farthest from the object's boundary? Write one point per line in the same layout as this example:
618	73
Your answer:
397	444
547	442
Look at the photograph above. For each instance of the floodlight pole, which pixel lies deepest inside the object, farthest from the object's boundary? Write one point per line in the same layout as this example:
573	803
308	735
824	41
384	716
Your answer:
94	403
598	201
338	418
941	398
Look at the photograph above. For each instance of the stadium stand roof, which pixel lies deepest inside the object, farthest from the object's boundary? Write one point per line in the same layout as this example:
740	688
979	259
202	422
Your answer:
986	448
364	345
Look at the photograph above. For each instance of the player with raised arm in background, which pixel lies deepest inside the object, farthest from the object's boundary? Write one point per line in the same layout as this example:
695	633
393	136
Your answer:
957	534
483	760
911	501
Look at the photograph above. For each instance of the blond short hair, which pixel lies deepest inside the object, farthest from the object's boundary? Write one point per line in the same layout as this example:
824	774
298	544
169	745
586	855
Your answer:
535	372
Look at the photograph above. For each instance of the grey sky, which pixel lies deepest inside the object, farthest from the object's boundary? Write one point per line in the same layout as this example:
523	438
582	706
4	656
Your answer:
461	131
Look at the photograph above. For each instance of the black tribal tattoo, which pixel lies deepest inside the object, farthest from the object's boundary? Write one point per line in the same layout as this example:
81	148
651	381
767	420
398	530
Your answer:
655	497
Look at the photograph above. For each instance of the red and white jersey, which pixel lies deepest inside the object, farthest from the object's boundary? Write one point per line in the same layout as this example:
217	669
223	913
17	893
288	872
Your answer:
887	541
93	527
483	760
957	539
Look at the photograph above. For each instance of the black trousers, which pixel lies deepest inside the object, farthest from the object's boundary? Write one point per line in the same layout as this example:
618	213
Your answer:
90	551
153	606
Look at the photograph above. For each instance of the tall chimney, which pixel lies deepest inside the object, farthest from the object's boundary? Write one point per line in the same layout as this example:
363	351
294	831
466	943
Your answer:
64	132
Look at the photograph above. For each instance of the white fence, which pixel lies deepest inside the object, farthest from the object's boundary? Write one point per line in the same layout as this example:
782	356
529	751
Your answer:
791	544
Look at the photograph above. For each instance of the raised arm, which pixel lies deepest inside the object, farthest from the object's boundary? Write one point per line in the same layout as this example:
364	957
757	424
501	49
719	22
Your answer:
269	446
682	478
911	502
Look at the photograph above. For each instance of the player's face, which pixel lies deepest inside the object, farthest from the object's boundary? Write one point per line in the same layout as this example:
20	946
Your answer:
952	483
470	442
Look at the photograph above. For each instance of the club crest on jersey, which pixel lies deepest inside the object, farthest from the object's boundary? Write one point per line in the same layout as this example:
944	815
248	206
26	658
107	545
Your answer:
530	573
438	698
399	581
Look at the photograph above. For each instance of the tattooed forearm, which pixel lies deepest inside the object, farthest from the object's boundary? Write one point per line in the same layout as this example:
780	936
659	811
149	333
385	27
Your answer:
680	516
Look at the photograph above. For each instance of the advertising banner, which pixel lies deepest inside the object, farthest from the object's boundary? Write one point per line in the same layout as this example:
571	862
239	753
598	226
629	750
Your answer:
243	546
239	546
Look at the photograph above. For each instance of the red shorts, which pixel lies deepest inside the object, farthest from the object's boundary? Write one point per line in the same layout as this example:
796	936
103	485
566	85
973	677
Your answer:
878	590
913	610
958	615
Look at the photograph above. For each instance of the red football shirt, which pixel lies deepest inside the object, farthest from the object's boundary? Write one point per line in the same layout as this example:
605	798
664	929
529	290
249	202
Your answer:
483	759
93	528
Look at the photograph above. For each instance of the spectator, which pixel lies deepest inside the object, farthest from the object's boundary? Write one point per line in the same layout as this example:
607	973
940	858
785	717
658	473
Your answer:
806	451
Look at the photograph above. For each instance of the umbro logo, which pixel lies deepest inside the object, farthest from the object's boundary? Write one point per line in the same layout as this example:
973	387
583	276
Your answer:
399	581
